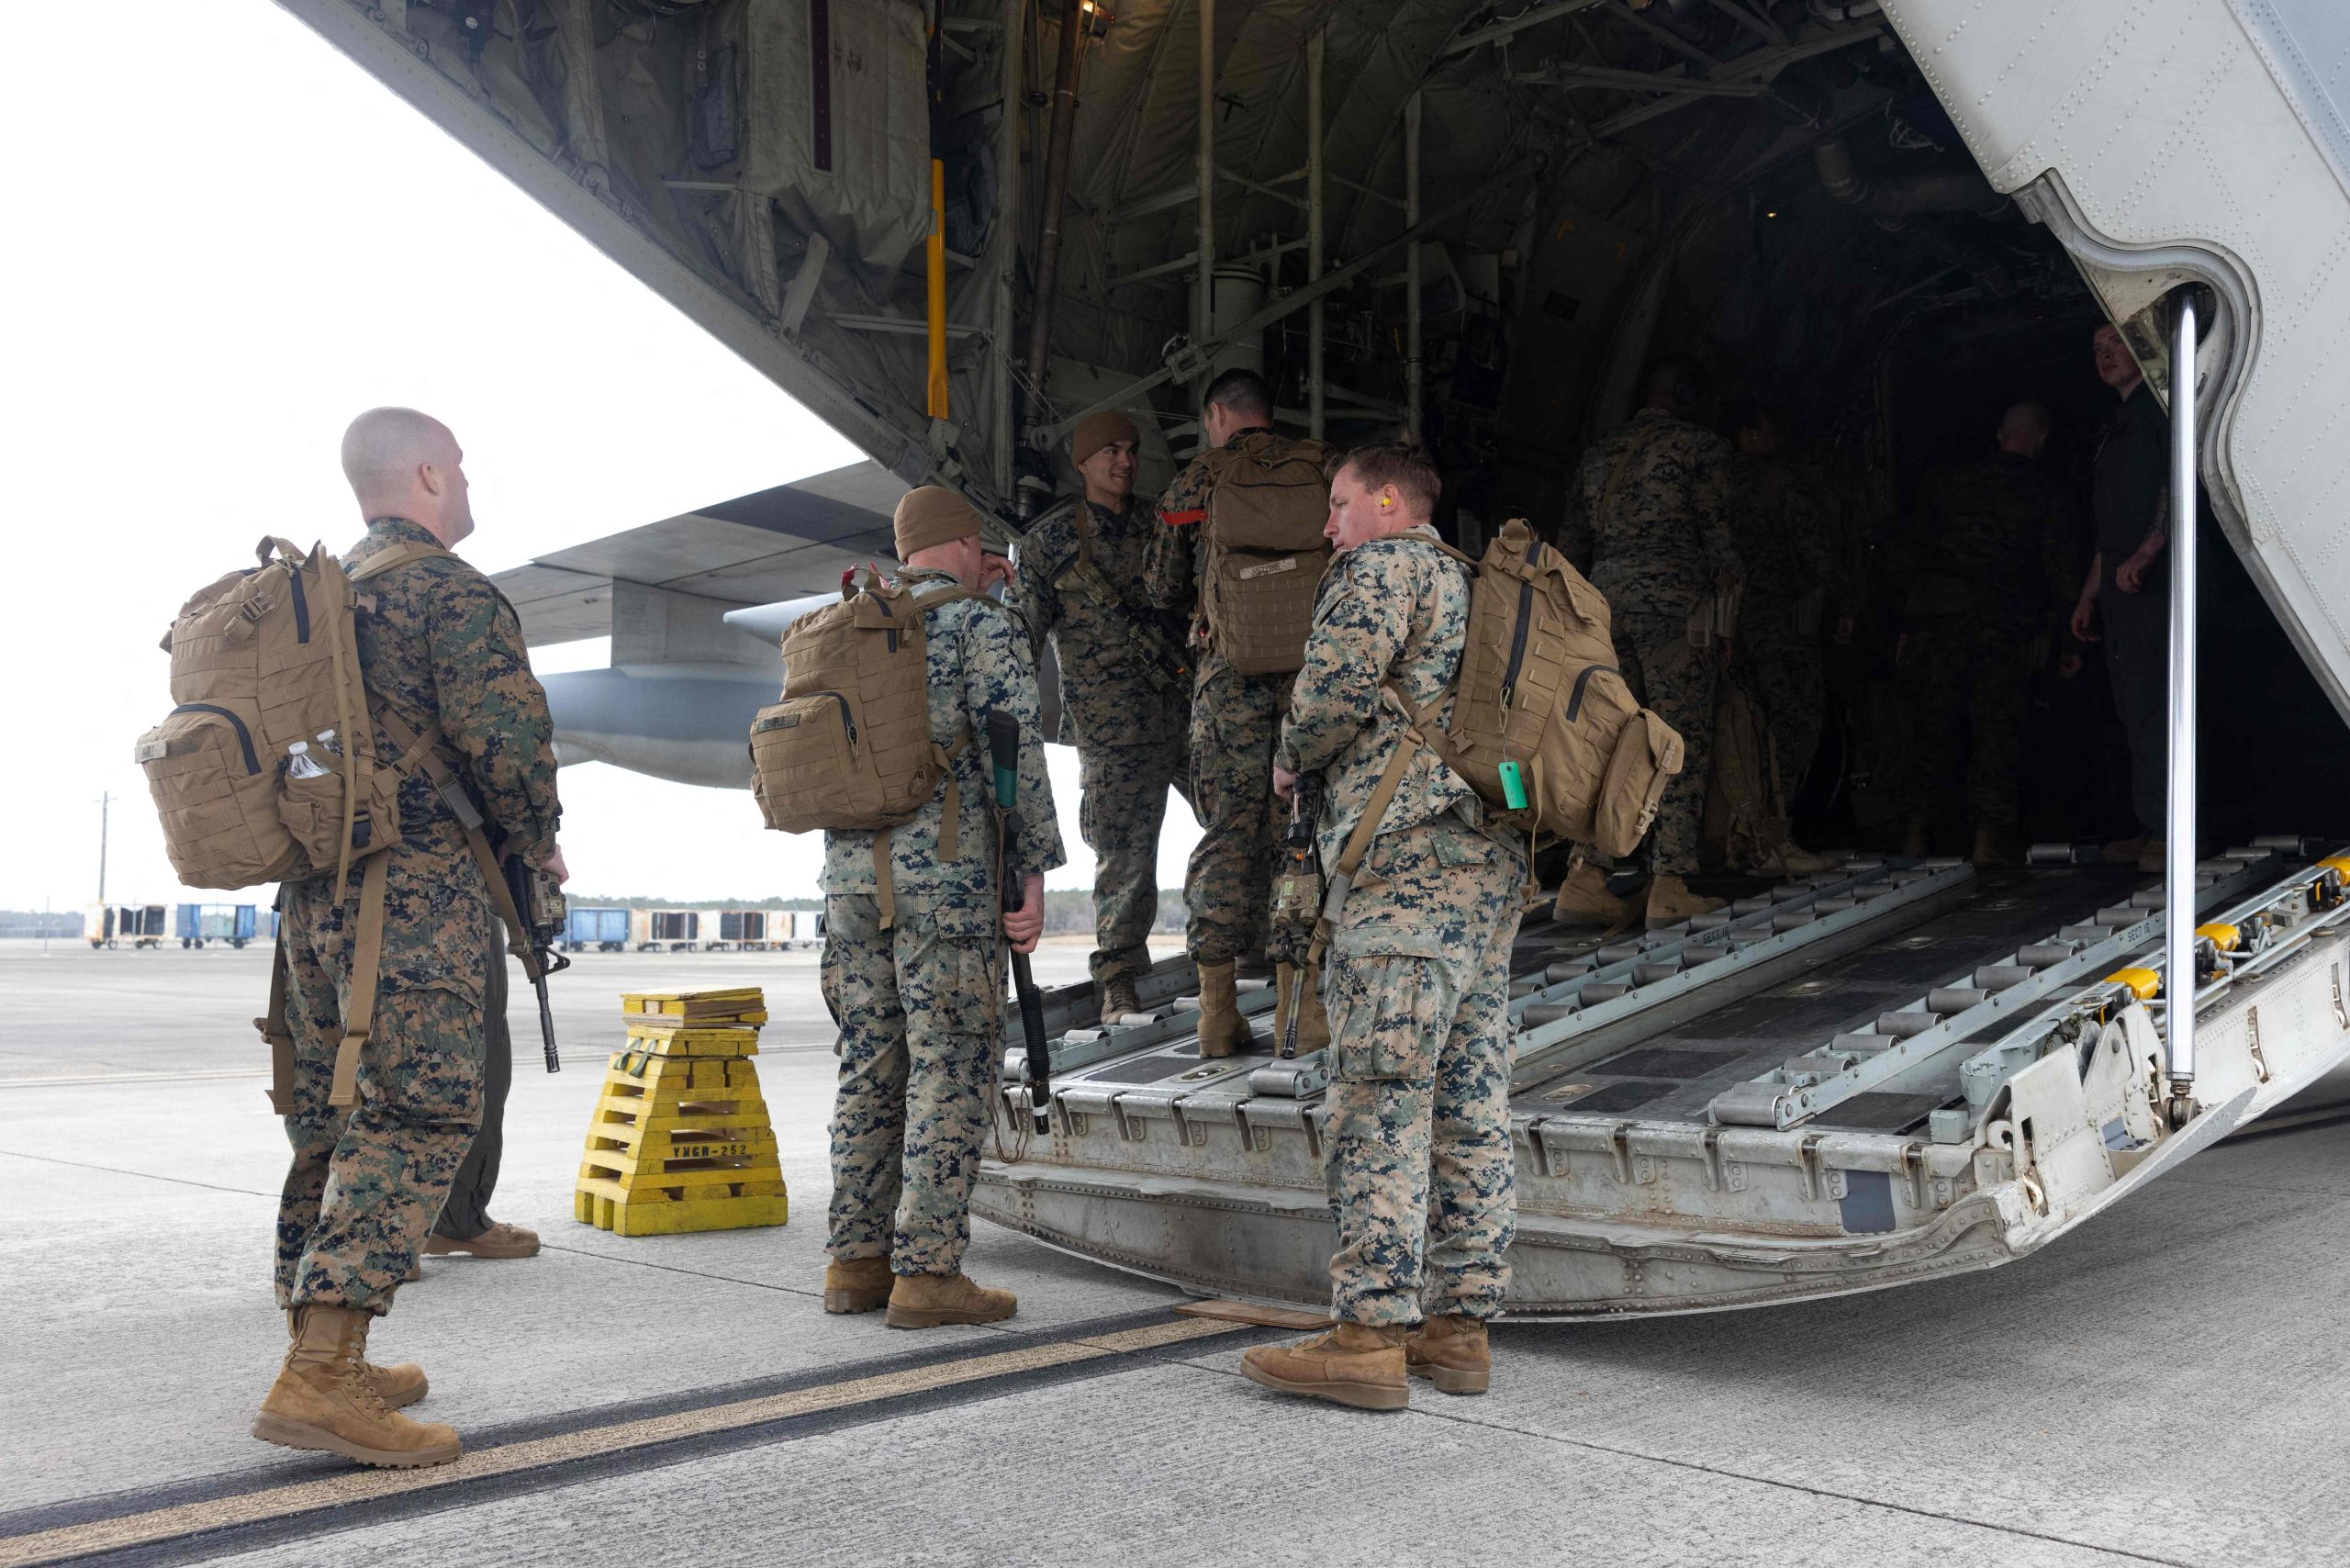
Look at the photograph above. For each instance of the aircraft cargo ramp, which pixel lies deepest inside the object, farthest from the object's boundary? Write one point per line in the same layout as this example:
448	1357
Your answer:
1891	1072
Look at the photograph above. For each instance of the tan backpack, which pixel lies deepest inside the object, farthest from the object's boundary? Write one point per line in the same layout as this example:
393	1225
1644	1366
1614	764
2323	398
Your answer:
849	745
1266	553
1537	685
266	769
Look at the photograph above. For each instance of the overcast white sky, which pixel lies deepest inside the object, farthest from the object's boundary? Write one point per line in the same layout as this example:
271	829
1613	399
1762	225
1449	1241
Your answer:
240	242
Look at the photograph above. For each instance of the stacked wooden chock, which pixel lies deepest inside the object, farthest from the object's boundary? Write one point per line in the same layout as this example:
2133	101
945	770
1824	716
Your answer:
681	1139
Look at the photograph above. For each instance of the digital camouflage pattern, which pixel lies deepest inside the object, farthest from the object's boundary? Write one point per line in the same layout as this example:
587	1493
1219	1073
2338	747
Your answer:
979	662
1130	725
1392	610
1228	885
1678	681
1657	544
1785	523
1417	986
917	1004
1993	565
1109	695
917	1007
1121	807
438	645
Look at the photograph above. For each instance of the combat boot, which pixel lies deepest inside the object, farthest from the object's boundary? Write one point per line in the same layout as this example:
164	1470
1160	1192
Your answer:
325	1399
857	1285
1991	847
1790	860
2154	857
1120	998
397	1387
1671	901
1583	900
1258	965
1452	1354
1358	1365
1312	1023
926	1300
500	1240
1223	1031
1913	839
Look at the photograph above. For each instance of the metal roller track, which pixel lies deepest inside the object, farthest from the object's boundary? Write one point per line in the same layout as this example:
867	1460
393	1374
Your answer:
1914	1035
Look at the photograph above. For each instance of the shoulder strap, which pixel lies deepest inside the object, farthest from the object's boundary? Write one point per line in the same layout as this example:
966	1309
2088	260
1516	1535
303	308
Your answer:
1639	444
403	553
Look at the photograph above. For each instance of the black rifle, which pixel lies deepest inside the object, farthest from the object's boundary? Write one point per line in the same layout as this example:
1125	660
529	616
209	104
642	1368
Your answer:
538	898
1299	897
1003	752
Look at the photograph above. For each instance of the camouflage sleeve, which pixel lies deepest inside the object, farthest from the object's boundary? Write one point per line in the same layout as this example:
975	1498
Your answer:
2060	549
1709	493
1166	568
998	676
494	712
1360	626
1033	596
1573	534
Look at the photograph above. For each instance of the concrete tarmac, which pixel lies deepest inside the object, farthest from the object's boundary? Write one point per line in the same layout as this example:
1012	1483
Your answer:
2164	1386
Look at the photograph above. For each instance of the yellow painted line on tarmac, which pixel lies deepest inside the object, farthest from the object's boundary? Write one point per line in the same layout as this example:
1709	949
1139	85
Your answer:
365	1485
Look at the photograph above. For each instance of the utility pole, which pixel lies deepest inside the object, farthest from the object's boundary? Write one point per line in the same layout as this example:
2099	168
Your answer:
104	801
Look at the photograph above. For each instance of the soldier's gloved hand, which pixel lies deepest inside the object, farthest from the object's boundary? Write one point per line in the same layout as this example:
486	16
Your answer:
1023	925
1284	781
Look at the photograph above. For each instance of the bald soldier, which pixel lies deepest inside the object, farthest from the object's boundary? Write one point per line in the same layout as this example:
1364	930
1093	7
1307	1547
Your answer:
1125	690
442	654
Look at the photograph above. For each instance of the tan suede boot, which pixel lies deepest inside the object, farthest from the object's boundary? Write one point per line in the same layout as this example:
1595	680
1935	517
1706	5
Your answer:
1583	900
926	1300
857	1285
324	1399
1355	1364
1223	1031
1671	901
1790	860
1284	989
500	1240
1991	847
1452	1353
1120	998
1913	839
397	1387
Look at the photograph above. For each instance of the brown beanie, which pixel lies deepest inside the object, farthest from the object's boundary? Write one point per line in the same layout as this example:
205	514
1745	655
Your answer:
1097	431
931	515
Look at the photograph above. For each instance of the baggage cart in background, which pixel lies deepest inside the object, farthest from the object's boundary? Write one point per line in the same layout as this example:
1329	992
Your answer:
666	931
743	930
603	929
128	925
197	923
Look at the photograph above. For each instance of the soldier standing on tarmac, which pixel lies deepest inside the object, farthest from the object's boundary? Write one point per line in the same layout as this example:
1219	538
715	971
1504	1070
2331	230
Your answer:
1228	887
1995	571
1419	976
1652	520
439	647
916	983
1125	690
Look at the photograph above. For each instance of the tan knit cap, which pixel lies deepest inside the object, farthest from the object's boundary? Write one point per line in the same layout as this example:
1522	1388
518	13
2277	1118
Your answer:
931	515
1097	431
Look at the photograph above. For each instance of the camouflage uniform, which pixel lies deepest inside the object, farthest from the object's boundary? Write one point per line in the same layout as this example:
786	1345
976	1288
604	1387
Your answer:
917	1000
1652	517
1995	567
440	645
1418	1131
1128	719
1784	522
1235	718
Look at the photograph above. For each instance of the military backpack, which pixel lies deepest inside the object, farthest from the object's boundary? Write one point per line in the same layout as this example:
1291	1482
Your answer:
1265	552
266	769
849	746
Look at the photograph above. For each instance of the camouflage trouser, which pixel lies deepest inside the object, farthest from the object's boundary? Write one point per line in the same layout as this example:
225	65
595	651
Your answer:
366	1183
1228	888
1666	674
1125	801
1418	1139
1781	671
1966	684
2137	660
917	1010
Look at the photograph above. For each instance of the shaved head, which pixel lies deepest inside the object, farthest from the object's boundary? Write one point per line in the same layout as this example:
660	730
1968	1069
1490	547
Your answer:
2024	430
401	463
